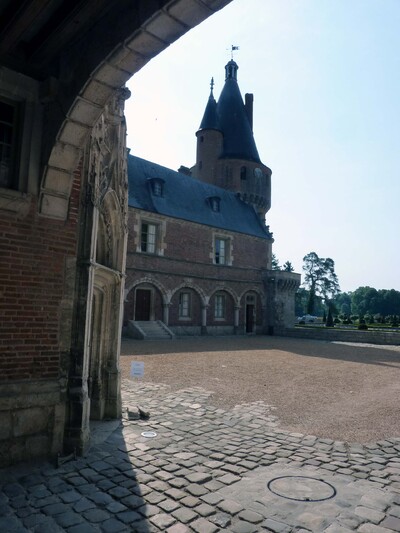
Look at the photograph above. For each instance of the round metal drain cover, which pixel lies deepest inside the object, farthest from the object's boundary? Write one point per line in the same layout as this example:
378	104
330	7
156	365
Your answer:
149	434
302	488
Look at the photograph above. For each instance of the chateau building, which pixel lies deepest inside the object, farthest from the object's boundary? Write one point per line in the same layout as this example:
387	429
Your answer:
199	252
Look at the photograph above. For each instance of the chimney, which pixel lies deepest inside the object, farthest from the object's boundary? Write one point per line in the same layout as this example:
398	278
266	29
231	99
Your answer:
184	170
248	99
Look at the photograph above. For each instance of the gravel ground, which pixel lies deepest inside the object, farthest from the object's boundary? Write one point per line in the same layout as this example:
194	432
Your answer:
341	391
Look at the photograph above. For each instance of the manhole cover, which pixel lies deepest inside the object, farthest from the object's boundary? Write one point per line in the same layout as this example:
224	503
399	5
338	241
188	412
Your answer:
302	488
149	434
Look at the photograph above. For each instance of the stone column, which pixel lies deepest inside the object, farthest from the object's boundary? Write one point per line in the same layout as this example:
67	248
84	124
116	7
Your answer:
166	313
204	319
236	319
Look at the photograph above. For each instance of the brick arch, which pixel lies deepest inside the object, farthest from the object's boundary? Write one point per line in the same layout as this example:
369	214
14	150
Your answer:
221	288
150	281
195	288
257	291
137	46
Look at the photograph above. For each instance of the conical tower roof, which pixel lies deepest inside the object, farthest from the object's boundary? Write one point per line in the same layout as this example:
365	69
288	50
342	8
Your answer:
233	120
230	118
210	118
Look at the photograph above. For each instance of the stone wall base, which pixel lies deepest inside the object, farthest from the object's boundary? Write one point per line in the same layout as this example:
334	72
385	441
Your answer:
192	331
328	334
32	420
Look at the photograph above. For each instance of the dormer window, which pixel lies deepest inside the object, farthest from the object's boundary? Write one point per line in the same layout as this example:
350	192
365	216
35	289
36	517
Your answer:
157	186
215	203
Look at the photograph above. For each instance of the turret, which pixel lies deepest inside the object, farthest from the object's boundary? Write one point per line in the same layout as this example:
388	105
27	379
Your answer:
209	142
227	155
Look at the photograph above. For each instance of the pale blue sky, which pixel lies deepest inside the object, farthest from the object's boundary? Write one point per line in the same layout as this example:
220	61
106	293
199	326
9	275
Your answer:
326	81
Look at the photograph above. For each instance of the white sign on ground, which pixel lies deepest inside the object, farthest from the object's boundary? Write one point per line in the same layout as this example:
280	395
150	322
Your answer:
137	369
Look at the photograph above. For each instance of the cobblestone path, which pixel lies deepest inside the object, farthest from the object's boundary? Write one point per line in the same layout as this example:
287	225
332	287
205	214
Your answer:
206	470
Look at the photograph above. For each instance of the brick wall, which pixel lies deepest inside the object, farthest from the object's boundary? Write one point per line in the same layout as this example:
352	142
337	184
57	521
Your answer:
32	267
188	263
191	242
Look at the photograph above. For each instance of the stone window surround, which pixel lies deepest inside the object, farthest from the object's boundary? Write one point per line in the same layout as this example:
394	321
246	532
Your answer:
220	309
160	224
148	237
24	93
189	306
220	235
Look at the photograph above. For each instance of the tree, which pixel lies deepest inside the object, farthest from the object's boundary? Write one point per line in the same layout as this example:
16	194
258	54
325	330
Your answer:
301	302
329	320
365	300
342	303
320	279
275	263
288	267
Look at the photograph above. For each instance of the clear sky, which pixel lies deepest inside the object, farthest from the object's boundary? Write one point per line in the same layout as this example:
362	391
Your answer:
326	81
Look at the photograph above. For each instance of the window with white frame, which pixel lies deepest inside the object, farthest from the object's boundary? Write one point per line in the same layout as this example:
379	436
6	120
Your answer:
221	251
148	237
219	306
184	305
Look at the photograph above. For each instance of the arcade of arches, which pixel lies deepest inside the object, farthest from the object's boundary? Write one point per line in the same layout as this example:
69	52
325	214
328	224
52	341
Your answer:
188	310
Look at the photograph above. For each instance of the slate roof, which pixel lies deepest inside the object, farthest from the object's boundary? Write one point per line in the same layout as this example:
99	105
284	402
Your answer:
210	117
229	116
187	198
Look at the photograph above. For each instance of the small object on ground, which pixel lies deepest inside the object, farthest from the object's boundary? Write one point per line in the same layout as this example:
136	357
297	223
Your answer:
132	413
61	460
144	413
149	434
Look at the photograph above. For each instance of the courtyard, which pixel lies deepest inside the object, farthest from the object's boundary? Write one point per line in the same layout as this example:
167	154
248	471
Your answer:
244	435
340	391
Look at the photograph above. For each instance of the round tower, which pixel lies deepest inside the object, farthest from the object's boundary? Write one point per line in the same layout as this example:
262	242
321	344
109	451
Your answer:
227	155
209	142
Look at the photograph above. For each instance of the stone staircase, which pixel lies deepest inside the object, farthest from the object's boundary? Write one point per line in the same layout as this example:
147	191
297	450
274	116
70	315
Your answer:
149	330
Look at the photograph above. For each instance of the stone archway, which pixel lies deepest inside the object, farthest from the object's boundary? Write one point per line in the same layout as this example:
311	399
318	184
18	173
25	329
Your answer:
64	65
151	32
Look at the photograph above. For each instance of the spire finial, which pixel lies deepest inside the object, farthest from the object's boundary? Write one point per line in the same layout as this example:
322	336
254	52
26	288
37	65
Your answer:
212	85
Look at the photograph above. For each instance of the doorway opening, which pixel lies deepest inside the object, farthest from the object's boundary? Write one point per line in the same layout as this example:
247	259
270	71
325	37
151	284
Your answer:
250	313
143	304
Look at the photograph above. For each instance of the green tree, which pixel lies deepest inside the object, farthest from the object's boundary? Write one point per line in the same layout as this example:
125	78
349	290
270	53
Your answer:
365	300
329	320
288	267
301	303
275	263
342	303
320	279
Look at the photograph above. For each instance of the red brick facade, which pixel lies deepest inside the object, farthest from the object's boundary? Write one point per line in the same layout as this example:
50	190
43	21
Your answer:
32	271
185	263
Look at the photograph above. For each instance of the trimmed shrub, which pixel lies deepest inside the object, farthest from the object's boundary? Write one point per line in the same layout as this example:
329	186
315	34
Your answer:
362	324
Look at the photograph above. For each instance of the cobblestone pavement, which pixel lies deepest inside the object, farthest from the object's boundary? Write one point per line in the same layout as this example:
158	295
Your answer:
206	470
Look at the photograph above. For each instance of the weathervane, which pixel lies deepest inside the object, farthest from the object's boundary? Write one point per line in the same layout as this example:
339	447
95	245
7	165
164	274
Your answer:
212	84
232	49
